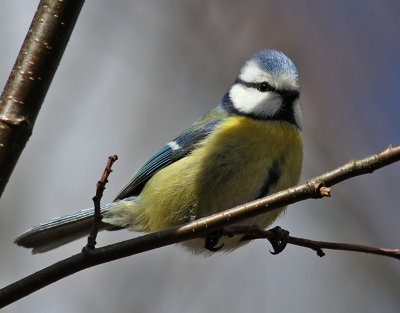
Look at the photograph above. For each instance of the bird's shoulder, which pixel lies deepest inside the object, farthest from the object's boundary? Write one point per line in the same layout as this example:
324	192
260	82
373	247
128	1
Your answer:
174	150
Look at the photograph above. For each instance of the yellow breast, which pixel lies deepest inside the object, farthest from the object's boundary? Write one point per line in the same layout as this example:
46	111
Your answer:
229	167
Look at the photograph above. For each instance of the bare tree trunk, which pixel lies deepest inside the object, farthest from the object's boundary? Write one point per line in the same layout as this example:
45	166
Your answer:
31	76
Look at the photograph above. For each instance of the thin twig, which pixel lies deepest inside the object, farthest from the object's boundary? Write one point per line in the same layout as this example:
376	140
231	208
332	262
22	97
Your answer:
319	245
100	186
256	233
197	228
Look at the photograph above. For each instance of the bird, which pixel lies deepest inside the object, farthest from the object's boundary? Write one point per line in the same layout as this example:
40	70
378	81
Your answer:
247	147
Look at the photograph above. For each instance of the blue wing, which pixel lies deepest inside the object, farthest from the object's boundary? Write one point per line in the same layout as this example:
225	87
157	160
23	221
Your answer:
169	153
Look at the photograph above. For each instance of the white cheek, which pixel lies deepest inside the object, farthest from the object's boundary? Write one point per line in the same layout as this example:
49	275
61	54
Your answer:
298	117
252	101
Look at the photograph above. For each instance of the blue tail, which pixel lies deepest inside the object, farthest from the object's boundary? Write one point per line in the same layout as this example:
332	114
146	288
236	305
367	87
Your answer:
61	230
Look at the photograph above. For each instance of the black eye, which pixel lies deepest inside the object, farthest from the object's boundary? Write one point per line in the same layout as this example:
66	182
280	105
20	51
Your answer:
264	86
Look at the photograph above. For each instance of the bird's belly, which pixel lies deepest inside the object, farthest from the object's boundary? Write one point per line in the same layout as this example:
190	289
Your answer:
232	166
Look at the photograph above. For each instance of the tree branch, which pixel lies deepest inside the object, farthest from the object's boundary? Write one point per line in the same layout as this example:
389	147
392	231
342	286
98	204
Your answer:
319	245
256	233
197	228
31	76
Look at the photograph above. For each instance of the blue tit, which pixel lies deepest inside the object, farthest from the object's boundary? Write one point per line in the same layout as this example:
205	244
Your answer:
246	148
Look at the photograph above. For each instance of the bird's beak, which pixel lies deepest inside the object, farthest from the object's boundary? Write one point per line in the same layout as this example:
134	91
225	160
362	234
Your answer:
289	95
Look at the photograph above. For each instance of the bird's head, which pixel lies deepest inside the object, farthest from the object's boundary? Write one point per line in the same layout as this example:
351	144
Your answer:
267	88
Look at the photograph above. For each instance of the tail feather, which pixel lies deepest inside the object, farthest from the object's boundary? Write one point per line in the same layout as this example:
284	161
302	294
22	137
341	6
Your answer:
60	230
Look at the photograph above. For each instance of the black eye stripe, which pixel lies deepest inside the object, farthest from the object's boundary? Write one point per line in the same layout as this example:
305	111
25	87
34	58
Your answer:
262	86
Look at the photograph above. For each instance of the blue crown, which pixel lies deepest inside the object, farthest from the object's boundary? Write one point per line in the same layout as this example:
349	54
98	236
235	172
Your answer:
275	62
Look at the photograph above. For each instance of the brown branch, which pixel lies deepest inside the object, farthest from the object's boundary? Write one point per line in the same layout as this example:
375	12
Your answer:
256	233
319	245
197	228
100	186
31	76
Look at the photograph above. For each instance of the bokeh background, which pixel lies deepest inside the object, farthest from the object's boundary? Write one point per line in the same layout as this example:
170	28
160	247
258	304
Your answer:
136	73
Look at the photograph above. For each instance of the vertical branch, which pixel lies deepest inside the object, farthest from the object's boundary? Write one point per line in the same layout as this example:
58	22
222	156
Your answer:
100	186
31	76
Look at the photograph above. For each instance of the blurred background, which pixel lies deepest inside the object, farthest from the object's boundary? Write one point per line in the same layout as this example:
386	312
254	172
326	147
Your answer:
135	74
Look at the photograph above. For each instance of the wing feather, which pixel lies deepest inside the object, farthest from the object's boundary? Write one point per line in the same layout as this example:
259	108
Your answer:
171	152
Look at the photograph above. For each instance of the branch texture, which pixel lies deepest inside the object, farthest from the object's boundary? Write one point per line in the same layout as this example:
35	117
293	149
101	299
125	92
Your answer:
31	76
100	187
198	228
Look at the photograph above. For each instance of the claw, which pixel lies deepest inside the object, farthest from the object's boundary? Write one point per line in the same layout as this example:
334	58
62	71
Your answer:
280	241
212	240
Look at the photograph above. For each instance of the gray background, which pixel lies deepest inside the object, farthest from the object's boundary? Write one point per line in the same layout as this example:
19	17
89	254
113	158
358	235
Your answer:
136	73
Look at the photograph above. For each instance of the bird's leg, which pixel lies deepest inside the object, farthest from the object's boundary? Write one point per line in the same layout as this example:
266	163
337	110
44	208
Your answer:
277	236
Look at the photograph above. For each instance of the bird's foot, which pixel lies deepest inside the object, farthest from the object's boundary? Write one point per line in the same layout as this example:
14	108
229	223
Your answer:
280	241
212	240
